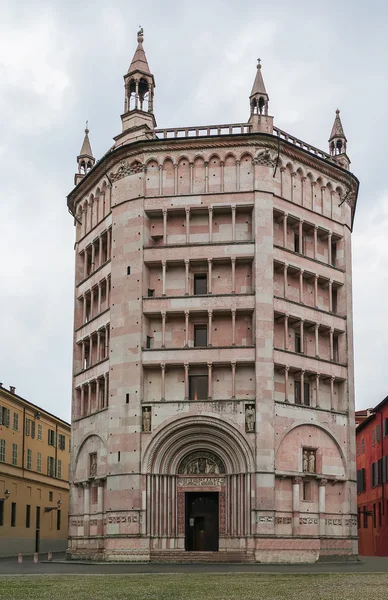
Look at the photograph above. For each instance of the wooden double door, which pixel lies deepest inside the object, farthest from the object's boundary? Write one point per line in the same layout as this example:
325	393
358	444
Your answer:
201	521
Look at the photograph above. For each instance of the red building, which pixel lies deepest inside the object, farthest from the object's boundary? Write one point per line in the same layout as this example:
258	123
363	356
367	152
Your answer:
372	480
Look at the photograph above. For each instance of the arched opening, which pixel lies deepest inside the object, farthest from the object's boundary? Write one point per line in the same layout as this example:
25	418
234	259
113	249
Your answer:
198	457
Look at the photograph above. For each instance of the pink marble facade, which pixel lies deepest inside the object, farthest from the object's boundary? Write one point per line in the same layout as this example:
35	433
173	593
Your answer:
271	236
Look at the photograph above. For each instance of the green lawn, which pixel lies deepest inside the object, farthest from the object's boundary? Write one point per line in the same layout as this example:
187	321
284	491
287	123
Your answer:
227	586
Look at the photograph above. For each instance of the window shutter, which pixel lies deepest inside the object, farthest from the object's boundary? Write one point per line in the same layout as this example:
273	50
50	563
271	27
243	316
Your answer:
7	417
1	415
363	471
48	465
378	433
386	426
371	476
384	469
32	429
358	482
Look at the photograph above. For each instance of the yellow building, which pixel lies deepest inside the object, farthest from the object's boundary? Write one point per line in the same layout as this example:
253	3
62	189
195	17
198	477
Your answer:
34	477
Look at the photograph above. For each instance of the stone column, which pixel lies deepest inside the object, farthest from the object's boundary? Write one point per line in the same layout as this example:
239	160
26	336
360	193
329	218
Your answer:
89	397
160	180
187	225
85	263
285	230
191	177
317	390
332	397
322	506
98	394
285	280
99	298
286	332
108	291
233	222
233	327
296	504
222	165
237	175
164	277
316	340
209	277
206	177
286	370
301	286
84	308
106	341
316	290
301	237
187	264
209	332
163	390
330	296
282	169
329	247
233	275
91	303
302	179
175	179
331	344
100	506
292	186
90	350
186	381
233	365
163	329
82	412
93	257
210	380
323	188
164	226
302	387
100	250
106	390
301	330
82	355
315	241
109	244
210	224
186	328
136	93
98	345
313	184
86	488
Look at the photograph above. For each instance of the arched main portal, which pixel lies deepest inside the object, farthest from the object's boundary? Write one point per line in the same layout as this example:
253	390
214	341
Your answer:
198	484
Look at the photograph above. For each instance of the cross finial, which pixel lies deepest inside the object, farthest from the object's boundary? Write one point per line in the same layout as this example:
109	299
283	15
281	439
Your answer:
87	128
259	63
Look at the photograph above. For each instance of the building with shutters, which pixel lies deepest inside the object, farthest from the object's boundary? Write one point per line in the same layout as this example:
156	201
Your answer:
213	398
34	477
372	480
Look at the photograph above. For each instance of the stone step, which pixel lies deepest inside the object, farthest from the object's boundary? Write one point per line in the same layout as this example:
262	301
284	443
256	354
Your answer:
181	556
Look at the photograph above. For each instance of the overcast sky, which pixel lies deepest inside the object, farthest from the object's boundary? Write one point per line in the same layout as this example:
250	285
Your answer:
62	63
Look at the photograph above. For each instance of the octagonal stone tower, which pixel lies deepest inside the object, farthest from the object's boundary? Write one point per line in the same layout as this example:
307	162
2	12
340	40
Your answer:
213	398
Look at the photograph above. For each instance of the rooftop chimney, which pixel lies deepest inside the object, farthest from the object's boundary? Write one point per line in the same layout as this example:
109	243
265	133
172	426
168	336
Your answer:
12	389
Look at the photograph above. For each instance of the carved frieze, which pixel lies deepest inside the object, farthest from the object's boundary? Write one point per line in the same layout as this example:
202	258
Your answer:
201	463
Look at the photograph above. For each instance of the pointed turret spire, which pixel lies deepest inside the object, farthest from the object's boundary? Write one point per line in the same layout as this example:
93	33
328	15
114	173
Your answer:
85	159
139	61
259	97
138	118
338	142
258	101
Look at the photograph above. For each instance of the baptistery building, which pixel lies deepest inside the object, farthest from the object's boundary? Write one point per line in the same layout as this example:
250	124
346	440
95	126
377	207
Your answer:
213	396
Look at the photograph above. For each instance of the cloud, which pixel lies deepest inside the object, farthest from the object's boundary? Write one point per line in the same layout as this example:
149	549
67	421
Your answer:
34	83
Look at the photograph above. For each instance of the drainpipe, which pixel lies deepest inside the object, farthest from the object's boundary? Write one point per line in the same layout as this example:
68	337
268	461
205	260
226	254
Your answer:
23	442
382	455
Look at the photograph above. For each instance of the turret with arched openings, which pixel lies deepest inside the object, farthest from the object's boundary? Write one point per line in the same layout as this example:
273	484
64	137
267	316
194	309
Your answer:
338	142
138	119
85	159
